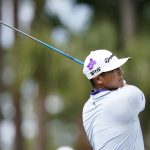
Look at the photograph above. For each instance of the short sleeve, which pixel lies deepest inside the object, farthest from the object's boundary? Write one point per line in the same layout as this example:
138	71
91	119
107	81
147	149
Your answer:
136	100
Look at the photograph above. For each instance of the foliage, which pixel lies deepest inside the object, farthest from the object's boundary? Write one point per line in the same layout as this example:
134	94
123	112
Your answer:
58	75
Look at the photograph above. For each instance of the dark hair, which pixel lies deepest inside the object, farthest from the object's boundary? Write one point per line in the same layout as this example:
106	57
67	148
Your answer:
92	82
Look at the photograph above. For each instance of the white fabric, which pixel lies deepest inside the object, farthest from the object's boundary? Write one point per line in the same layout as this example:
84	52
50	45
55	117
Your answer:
99	61
111	121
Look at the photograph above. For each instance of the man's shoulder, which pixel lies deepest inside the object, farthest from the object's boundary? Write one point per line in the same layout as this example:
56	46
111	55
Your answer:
126	91
130	87
131	90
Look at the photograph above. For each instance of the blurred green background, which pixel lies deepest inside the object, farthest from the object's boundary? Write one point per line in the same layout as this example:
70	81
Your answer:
41	92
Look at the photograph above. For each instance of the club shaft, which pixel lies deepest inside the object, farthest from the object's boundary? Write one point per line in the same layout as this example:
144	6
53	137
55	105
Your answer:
45	44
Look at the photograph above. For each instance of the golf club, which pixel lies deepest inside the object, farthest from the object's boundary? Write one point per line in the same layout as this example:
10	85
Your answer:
45	44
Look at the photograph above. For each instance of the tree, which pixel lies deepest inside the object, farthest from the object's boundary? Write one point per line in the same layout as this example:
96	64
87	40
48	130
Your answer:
1	69
16	95
128	22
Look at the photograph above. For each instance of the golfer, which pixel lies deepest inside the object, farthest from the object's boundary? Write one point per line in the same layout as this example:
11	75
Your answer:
110	116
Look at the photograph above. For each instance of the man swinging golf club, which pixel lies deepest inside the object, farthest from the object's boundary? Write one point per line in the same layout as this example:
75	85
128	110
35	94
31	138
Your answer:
110	116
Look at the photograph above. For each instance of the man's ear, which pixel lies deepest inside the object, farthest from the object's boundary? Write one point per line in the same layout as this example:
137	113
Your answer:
98	80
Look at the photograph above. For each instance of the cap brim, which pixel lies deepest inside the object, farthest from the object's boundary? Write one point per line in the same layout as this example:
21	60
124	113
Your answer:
116	65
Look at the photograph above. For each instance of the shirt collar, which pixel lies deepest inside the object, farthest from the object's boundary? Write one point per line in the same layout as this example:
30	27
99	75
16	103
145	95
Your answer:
99	93
94	92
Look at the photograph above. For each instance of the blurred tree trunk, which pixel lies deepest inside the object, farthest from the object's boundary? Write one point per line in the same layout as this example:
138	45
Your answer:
0	71
82	142
128	21
41	79
1	51
16	95
41	114
18	120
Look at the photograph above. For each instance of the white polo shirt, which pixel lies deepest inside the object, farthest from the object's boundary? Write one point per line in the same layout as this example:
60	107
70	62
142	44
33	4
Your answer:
111	121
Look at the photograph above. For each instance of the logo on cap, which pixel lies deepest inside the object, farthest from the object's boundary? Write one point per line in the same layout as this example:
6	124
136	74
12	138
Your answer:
109	58
95	71
91	63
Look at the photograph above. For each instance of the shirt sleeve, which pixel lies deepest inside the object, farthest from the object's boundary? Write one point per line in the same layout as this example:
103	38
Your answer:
136	100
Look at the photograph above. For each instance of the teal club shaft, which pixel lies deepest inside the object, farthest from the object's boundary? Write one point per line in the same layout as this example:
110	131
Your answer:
45	44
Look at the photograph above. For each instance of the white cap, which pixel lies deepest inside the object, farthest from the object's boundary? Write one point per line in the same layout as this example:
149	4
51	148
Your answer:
99	61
